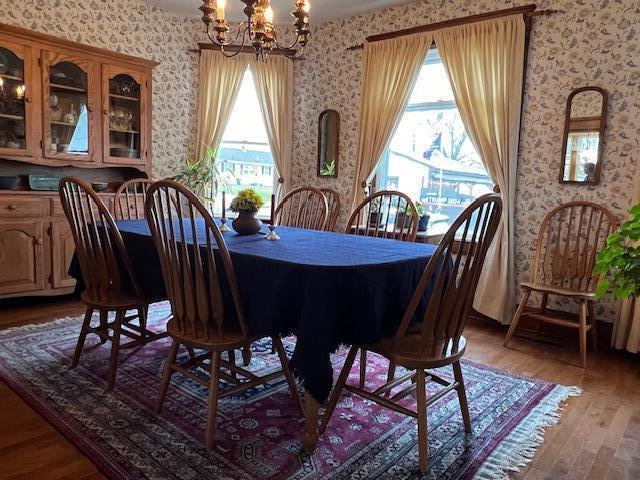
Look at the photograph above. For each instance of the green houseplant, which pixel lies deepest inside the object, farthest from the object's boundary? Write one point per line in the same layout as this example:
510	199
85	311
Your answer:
203	177
619	261
246	204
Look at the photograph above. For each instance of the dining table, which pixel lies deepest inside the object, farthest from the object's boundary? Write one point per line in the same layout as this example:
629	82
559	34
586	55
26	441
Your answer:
328	289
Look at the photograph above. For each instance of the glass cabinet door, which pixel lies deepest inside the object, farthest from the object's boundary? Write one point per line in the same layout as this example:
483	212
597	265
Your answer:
16	136
124	96
69	103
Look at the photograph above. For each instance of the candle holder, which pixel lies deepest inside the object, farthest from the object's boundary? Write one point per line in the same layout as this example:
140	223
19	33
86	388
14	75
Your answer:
272	235
223	225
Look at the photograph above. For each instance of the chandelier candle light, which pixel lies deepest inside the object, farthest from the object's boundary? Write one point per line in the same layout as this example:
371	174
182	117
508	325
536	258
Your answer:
258	30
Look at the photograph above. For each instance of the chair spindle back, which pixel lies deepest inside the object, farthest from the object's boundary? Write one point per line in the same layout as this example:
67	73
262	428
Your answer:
333	203
385	214
195	261
99	246
128	202
453	274
570	237
304	207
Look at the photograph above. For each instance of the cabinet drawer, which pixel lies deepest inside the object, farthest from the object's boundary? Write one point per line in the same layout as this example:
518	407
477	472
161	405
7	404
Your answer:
58	211
17	207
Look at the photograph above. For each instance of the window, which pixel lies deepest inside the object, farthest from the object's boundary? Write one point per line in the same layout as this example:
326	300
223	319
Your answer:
244	153
430	157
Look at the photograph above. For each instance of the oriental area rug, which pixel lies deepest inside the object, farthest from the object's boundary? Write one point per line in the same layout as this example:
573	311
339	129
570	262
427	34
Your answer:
259	431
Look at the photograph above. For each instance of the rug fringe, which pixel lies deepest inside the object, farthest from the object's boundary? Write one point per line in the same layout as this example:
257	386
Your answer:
519	447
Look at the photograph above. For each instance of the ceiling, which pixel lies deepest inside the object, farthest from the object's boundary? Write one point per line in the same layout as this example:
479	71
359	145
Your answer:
321	10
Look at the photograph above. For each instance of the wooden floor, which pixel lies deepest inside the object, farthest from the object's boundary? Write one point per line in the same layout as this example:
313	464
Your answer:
598	436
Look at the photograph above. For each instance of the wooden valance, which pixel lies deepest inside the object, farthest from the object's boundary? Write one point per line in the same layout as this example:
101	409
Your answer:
527	10
235	48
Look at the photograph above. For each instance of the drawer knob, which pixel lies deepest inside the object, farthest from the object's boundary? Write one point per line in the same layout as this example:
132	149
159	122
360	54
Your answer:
39	241
13	206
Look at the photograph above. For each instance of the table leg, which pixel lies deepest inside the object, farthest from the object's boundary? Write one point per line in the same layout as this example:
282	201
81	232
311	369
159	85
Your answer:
311	435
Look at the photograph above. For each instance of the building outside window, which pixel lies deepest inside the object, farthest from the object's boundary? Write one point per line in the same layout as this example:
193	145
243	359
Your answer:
430	157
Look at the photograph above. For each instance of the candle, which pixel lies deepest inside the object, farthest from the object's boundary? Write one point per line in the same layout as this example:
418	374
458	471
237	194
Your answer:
220	9
224	206
273	208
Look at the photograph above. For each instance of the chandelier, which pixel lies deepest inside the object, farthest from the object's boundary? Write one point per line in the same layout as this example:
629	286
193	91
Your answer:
258	30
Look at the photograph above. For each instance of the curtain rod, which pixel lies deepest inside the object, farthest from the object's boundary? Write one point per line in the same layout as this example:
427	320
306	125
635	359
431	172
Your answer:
527	10
234	48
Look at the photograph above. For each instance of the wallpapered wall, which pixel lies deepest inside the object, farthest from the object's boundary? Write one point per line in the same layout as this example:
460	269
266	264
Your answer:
132	27
593	42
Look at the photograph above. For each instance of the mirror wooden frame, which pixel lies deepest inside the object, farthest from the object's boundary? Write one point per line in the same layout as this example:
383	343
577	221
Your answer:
567	122
337	146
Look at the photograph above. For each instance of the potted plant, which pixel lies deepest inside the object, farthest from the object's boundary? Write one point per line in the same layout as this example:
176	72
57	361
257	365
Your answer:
246	204
203	177
619	261
403	219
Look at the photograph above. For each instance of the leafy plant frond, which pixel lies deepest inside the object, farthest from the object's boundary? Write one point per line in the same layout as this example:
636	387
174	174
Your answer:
619	261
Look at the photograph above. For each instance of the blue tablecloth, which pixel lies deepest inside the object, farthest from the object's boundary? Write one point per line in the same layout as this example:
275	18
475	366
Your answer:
327	288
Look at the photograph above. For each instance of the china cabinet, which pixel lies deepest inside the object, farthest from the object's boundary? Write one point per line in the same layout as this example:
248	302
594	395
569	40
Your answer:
65	109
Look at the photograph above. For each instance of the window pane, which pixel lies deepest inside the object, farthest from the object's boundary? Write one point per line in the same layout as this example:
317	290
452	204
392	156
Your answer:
430	157
244	154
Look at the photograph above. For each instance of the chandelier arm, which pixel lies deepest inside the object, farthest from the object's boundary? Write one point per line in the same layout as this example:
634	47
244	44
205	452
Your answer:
240	47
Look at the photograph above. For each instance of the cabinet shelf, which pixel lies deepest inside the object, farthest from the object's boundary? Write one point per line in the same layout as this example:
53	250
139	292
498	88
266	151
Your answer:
4	76
64	124
11	117
123	131
67	88
124	97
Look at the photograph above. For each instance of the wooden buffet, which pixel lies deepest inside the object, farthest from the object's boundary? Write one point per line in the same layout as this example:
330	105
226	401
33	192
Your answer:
65	109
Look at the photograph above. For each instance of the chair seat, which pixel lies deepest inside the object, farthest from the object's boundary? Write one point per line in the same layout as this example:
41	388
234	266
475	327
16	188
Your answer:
231	340
114	301
408	353
565	292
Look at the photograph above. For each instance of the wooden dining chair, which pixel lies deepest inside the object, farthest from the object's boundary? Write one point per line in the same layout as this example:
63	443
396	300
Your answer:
128	202
333	203
385	214
435	340
197	268
569	239
110	283
304	207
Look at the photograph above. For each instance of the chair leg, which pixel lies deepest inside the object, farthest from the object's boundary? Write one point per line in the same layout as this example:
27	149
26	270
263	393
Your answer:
166	375
213	400
337	389
104	322
543	309
115	350
232	361
516	317
594	326
391	373
142	318
462	397
83	335
363	367
284	361
582	329
423	445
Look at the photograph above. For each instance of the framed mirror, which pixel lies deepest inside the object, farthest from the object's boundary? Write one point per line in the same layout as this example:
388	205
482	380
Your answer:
328	139
583	136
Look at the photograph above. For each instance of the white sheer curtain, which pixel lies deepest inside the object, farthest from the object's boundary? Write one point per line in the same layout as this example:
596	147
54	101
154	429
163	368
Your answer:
485	63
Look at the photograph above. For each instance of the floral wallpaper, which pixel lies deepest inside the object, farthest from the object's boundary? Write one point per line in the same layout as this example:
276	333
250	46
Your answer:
135	28
590	42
